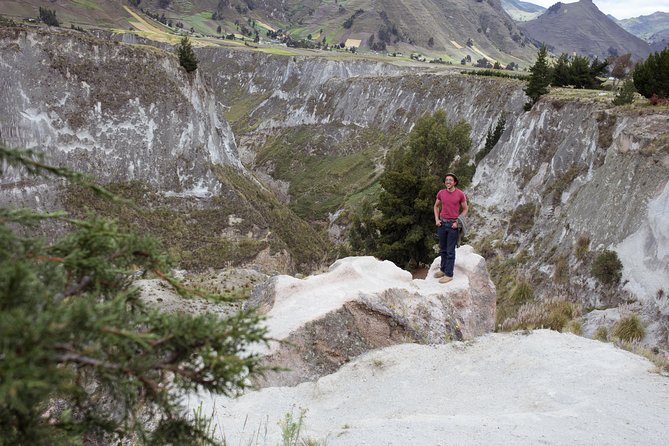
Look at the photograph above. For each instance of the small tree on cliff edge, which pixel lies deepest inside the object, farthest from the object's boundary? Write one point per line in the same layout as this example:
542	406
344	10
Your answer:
82	359
403	228
540	78
187	57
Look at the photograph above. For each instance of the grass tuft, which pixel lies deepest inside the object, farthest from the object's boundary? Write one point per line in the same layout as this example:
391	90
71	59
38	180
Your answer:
556	314
629	329
601	334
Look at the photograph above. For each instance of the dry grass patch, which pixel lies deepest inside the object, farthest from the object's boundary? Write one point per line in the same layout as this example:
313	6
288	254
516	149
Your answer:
629	329
555	313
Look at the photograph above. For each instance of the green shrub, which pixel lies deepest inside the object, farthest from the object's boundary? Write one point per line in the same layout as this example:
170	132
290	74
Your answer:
559	315
629	328
80	345
497	73
4	21
607	268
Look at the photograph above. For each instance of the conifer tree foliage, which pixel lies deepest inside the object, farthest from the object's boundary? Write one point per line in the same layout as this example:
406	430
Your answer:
626	93
540	78
651	77
578	71
187	57
491	138
402	228
81	357
561	76
48	16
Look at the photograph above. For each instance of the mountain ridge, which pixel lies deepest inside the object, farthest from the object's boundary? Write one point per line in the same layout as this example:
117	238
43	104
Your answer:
653	28
583	29
449	29
522	11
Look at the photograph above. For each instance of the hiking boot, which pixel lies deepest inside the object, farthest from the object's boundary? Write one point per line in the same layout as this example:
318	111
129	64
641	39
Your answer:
439	274
445	279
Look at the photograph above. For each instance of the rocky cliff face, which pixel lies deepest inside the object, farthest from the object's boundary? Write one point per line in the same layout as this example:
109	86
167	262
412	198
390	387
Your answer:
119	112
566	174
292	91
569	171
589	171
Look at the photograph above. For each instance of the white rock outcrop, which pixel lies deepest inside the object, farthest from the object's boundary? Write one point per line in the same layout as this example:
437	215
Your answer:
363	303
542	387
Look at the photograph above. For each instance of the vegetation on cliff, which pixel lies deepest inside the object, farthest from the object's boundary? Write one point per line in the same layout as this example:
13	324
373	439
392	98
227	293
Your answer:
540	78
82	358
187	58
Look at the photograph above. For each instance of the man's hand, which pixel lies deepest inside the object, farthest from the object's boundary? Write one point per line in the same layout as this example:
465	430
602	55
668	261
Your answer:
437	222
454	225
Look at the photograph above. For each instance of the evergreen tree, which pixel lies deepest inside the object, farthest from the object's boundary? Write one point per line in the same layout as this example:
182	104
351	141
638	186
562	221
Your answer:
561	75
651	77
82	359
48	16
580	72
626	93
403	228
491	139
187	57
598	69
539	79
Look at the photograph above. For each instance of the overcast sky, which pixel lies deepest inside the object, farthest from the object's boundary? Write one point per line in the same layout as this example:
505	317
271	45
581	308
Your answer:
620	9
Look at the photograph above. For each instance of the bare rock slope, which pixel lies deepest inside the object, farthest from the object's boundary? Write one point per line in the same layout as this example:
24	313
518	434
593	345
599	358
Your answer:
119	112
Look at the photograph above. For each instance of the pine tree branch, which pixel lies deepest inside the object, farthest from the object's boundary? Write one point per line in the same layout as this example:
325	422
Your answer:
77	288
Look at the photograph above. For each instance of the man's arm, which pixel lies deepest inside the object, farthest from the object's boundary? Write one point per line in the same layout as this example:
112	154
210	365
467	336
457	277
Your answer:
437	209
465	208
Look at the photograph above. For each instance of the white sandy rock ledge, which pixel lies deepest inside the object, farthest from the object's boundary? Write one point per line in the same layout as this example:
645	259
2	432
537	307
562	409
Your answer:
539	388
361	303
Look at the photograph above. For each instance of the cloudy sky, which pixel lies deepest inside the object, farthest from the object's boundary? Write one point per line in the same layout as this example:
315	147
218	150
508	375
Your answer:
620	9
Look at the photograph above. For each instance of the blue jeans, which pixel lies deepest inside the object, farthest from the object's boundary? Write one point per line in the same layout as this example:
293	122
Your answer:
448	239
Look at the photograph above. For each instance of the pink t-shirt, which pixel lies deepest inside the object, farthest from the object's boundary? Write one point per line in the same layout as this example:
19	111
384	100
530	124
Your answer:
450	203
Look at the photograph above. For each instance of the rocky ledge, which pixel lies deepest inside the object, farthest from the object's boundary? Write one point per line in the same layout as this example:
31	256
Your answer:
323	321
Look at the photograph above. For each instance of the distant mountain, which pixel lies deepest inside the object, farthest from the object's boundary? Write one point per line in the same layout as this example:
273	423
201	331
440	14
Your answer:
582	28
522	11
450	29
647	26
443	26
659	40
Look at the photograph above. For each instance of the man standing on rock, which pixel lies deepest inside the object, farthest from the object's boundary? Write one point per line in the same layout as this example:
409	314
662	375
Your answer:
449	207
